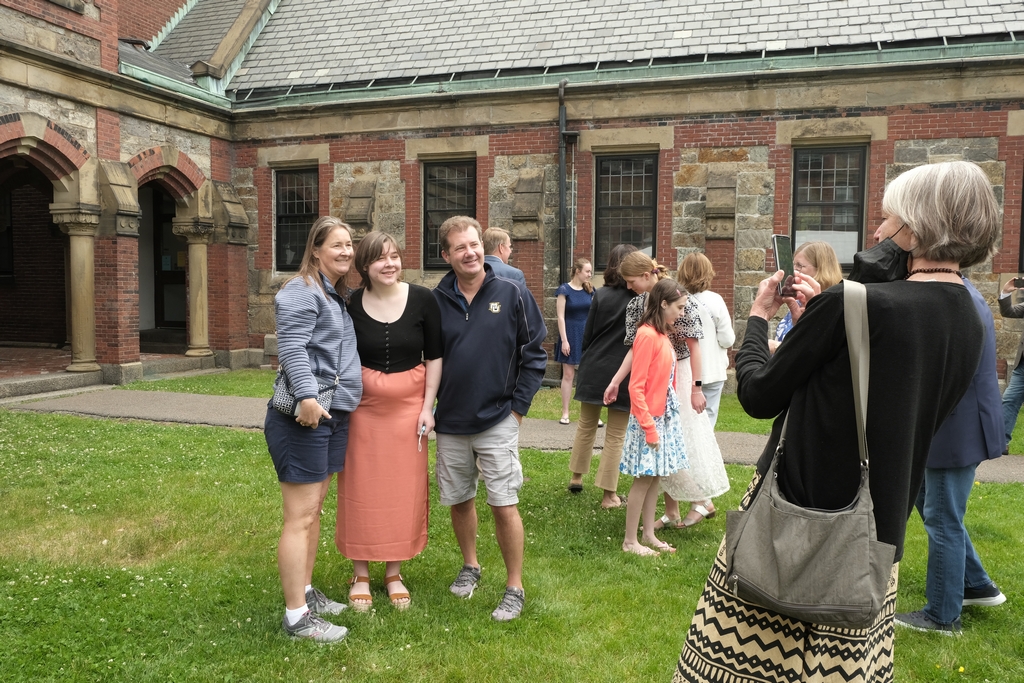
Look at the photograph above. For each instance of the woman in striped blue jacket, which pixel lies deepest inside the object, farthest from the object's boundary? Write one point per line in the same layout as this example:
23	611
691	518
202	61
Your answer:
315	340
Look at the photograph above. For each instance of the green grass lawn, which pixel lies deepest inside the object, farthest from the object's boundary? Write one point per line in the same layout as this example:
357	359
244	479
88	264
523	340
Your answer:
139	552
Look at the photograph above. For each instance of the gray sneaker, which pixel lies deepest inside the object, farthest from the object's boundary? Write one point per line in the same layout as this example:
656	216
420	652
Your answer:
919	621
511	605
466	581
315	627
318	603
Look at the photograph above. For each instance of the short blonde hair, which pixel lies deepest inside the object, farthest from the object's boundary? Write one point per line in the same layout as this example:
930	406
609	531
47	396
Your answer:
695	272
950	209
823	257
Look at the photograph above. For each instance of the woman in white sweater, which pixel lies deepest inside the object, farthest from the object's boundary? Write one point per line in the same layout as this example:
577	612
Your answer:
696	273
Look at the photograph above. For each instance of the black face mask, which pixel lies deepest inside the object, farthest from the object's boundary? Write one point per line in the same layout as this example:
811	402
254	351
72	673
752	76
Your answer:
884	262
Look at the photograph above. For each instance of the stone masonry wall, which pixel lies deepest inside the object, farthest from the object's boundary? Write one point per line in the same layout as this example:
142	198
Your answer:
754	209
389	194
138	135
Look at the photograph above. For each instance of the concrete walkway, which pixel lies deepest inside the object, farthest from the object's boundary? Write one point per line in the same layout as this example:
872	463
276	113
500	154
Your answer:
248	413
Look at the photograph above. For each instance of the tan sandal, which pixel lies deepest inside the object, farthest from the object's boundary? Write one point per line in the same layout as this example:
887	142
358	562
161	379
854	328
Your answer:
400	599
365	597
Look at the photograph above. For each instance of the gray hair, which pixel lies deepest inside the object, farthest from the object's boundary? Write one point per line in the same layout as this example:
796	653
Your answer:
949	208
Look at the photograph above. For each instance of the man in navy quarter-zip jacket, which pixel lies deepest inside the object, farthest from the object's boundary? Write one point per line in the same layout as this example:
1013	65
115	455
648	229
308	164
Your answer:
493	364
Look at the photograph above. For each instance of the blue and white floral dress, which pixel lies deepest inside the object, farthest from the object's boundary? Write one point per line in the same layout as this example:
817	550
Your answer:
639	459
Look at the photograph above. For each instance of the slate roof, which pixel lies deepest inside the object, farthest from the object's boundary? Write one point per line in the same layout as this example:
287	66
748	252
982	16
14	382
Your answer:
310	42
200	31
136	56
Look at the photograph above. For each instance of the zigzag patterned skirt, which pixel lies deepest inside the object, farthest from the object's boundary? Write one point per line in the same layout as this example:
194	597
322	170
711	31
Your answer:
733	641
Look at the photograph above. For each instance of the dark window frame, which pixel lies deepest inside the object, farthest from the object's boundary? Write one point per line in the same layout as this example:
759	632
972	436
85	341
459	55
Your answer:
294	214
818	188
457	201
604	210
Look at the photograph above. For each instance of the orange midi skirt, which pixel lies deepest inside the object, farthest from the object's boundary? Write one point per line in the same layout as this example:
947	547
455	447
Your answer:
383	495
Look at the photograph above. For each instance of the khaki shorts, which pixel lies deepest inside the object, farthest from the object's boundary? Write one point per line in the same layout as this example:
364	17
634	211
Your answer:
493	453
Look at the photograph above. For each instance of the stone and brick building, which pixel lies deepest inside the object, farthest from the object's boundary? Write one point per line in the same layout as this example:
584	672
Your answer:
161	160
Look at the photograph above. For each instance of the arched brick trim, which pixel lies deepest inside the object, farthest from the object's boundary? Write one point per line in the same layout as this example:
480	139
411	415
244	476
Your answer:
57	154
171	167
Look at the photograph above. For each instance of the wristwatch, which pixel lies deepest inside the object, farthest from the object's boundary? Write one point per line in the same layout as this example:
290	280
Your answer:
698	383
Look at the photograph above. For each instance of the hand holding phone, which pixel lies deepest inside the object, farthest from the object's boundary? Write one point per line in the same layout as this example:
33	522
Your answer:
1018	282
783	249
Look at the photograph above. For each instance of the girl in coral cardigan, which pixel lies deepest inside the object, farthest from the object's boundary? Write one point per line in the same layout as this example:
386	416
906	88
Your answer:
654	439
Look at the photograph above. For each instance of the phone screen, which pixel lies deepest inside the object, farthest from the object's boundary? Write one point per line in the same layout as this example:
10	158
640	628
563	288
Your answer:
783	249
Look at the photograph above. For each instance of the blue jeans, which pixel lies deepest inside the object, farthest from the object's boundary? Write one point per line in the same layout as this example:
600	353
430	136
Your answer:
1013	397
952	562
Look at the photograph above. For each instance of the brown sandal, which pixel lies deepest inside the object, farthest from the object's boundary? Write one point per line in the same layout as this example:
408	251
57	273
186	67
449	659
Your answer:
398	595
352	597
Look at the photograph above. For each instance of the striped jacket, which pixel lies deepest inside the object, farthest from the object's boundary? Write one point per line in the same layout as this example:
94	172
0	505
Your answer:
315	336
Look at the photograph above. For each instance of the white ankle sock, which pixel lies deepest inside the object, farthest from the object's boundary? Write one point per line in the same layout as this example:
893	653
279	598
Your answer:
309	587
293	615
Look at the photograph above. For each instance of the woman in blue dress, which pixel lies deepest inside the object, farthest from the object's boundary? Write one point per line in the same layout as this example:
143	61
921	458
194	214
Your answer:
572	304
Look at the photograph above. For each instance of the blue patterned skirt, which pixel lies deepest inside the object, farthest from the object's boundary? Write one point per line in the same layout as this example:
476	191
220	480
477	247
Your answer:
640	460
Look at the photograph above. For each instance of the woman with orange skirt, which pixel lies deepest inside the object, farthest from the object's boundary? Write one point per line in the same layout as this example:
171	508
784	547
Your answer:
383	491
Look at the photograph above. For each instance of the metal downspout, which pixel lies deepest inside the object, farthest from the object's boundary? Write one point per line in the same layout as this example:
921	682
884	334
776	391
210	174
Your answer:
563	229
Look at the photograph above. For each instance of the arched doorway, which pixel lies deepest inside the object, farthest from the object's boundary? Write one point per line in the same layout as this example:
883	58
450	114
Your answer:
163	301
33	298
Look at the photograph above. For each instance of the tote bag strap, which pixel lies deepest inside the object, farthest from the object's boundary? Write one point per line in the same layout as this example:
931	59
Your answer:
855	311
855	305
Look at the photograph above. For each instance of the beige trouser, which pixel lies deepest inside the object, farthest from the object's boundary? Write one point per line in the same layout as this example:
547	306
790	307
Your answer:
583	446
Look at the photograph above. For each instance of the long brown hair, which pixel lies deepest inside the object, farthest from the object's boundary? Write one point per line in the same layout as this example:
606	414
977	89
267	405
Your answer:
577	266
612	278
667	291
309	268
371	248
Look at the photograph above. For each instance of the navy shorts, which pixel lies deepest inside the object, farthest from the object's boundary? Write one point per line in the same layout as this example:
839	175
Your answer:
302	455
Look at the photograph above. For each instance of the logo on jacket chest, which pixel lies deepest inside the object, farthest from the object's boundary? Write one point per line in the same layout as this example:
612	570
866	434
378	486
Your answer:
494	307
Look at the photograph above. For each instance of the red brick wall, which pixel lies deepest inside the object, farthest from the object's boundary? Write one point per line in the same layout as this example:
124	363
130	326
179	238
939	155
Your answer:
228	300
413	207
221	161
144	18
117	299
699	133
263	177
1011	150
105	31
108	134
722	254
584	166
32	306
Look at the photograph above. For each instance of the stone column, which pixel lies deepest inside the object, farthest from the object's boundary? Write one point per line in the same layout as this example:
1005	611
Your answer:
198	236
81	227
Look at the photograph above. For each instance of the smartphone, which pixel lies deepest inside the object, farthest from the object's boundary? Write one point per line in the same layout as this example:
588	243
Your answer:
1018	282
783	248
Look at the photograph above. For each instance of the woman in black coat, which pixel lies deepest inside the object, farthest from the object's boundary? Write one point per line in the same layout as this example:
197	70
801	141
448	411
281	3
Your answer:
603	352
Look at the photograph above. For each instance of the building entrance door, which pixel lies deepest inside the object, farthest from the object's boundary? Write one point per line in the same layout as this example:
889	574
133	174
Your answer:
162	297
